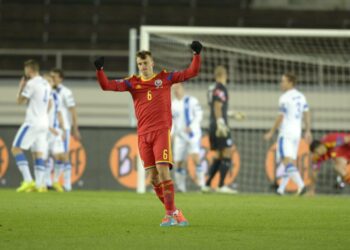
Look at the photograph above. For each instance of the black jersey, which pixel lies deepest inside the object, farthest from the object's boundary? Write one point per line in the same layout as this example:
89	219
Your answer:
217	92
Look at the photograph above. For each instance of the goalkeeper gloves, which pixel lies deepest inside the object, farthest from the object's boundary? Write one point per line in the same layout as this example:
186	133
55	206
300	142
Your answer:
221	128
196	47
99	63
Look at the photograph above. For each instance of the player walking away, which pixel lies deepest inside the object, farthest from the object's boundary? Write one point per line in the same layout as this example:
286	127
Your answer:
152	102
293	108
55	138
333	146
219	132
35	92
187	116
70	119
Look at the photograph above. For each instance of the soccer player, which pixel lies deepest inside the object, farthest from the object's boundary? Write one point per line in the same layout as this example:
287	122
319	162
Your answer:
151	95
70	119
333	146
34	91
55	137
219	131
293	108
187	116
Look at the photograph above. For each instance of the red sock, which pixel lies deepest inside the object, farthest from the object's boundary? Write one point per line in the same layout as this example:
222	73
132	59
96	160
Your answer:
159	192
169	196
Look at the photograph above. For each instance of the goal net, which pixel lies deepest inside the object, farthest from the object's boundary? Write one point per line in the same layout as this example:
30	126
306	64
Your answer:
256	58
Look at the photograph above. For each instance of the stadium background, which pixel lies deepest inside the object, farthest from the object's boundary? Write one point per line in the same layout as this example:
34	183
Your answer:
70	34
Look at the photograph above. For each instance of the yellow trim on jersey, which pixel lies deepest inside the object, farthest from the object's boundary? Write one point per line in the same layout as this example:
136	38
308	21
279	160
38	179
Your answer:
170	162
149	167
147	79
129	77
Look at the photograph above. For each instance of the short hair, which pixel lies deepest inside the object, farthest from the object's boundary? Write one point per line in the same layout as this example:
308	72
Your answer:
291	77
58	71
315	144
143	54
220	71
33	64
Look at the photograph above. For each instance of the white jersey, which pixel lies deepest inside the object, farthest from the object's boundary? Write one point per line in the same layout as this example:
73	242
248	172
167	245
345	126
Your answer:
292	104
186	113
68	102
55	109
37	91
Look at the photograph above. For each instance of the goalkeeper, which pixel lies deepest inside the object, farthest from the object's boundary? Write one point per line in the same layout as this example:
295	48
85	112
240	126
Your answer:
219	132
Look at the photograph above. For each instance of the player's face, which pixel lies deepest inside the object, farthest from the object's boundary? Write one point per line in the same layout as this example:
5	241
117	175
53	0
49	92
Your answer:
285	83
321	150
56	78
27	71
145	66
178	91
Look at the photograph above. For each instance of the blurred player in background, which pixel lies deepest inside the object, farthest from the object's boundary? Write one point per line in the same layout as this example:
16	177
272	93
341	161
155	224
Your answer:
70	119
333	146
34	91
293	108
152	101
55	138
187	116
219	132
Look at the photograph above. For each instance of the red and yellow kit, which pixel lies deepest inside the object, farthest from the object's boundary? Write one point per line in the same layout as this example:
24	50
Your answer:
336	147
152	103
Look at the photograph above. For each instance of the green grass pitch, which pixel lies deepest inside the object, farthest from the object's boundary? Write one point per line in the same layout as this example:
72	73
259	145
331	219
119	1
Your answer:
125	220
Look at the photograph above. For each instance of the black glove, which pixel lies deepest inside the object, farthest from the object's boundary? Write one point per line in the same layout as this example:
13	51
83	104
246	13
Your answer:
99	63
196	47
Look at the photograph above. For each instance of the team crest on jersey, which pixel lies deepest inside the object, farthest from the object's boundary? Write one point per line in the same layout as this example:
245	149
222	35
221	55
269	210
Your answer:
138	86
158	83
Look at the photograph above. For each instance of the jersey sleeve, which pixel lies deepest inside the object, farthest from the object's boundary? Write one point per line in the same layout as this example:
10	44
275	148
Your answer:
28	90
306	105
184	75
69	99
112	85
282	106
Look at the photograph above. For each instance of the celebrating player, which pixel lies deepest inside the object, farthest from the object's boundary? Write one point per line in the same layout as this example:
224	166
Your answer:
293	108
187	117
333	146
219	131
35	92
70	119
152	102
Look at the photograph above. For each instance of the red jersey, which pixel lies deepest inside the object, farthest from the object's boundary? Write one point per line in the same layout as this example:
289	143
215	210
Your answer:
336	147
152	97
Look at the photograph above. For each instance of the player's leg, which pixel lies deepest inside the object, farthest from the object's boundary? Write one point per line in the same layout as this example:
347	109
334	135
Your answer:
225	167
194	151
23	140
214	167
39	148
180	154
58	152
67	168
164	161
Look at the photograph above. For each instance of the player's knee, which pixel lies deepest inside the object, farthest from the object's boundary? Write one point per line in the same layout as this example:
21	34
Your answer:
286	161
164	173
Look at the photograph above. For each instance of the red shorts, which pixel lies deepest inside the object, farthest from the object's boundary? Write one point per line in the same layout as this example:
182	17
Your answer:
155	147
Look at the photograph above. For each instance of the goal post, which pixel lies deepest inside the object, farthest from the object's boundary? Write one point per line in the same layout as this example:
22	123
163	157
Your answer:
256	58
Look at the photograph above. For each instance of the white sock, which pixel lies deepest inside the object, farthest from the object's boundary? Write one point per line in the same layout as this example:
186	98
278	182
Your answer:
295	176
178	179
40	178
283	185
58	171
67	173
200	176
24	169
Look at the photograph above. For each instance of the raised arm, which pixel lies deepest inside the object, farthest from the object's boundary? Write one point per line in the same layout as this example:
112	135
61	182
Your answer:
105	83
193	69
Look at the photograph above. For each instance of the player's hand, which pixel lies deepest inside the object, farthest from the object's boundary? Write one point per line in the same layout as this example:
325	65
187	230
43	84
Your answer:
99	62
222	130
196	47
268	135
